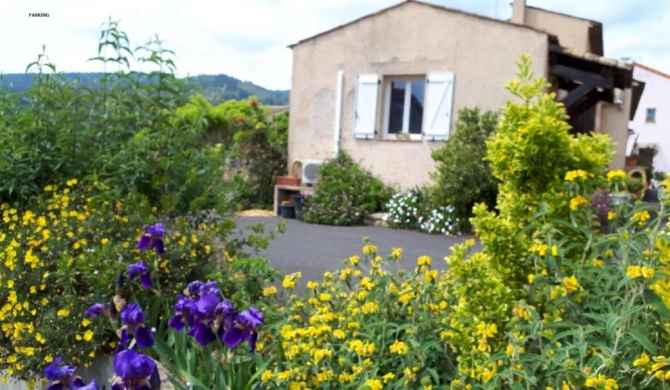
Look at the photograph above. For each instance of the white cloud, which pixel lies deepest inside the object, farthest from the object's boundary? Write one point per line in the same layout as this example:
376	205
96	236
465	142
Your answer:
248	39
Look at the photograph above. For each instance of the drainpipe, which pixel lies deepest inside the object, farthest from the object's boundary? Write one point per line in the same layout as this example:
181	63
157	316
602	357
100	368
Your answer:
338	113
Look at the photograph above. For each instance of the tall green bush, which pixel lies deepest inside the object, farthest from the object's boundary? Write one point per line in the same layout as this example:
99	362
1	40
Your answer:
463	178
346	194
121	131
530	154
252	142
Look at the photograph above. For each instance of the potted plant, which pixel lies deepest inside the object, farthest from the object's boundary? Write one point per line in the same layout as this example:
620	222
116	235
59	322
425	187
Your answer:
618	186
631	160
635	187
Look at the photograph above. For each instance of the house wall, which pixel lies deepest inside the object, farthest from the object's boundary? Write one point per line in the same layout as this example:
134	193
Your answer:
571	32
656	95
612	119
412	39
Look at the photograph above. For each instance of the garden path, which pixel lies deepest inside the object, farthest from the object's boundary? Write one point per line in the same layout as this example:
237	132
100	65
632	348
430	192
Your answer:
314	249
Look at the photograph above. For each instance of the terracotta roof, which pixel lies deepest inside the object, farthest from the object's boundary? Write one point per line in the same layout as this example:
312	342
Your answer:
437	7
593	58
652	70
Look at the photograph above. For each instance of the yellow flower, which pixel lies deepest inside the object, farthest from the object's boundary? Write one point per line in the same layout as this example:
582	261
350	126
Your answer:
398	347
634	271
397	253
611	215
597	263
88	335
289	280
388	377
374	384
571	284
577	202
642	360
641	217
576	175
647	272
423	260
353	260
369	249
270	290
266	376
63	313
616	175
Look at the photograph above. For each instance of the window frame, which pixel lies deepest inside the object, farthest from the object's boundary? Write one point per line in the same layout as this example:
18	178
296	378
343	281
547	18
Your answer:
386	112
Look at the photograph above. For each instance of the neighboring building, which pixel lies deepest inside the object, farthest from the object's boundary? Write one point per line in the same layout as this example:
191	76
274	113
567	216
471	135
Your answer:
411	67
652	118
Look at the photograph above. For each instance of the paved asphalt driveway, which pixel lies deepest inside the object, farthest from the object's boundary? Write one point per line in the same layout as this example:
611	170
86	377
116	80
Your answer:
313	249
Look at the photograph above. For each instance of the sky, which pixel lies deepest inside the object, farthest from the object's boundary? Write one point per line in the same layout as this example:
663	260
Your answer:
248	39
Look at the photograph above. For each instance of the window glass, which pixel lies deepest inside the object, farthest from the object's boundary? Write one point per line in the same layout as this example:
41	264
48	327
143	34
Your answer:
397	106
651	115
416	107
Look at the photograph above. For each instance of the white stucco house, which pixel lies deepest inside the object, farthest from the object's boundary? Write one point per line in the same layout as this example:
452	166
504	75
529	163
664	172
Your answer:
652	117
387	87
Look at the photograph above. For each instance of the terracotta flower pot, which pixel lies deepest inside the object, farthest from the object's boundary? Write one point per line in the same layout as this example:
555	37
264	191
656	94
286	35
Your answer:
288	181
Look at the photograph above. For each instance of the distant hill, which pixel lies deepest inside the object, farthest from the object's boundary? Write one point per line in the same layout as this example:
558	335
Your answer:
215	88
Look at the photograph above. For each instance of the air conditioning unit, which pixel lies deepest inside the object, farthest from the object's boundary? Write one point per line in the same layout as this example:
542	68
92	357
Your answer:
310	172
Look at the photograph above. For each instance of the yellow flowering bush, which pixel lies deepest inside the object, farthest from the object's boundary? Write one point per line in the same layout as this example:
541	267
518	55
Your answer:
364	326
67	252
532	155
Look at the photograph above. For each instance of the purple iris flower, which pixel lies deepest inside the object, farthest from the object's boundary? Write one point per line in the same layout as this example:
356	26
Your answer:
245	328
153	238
183	309
142	270
96	310
63	377
133	318
135	371
203	333
204	313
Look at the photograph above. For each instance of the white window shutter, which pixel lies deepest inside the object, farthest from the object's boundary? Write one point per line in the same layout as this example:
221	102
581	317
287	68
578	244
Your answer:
439	99
365	114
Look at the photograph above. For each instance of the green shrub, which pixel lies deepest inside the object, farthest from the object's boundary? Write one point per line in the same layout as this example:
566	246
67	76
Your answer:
122	131
346	194
463	178
252	145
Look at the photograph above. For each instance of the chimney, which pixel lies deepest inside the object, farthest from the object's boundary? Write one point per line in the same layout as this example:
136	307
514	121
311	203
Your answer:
518	11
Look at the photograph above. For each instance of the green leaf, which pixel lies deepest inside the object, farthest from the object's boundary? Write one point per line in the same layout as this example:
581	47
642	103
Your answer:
642	340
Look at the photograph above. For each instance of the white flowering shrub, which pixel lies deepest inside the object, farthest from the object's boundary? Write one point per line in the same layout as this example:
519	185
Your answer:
403	209
415	210
440	220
